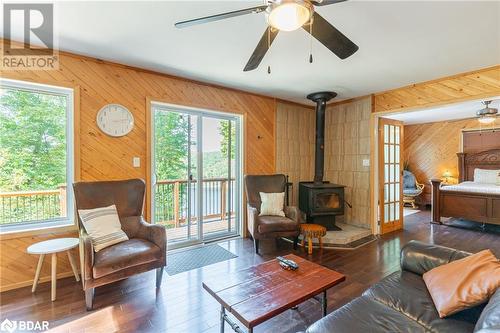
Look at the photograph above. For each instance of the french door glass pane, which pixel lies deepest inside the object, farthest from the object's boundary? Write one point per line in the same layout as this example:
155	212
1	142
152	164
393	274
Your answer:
391	168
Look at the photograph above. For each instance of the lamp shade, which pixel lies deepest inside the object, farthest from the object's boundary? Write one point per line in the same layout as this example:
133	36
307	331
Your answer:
447	174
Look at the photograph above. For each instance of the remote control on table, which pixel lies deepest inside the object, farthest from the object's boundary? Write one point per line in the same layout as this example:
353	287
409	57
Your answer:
290	263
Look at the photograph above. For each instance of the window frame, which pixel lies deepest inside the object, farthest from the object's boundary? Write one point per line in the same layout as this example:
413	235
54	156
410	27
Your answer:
69	94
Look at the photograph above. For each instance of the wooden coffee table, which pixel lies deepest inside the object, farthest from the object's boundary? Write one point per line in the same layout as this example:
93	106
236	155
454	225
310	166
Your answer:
258	293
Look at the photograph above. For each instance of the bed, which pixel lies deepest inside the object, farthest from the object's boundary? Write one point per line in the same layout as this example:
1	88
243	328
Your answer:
469	200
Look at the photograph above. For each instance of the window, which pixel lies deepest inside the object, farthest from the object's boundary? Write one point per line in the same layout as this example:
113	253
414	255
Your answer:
36	155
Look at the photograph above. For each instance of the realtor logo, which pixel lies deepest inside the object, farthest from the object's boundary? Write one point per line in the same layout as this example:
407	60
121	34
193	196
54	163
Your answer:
23	325
8	326
29	37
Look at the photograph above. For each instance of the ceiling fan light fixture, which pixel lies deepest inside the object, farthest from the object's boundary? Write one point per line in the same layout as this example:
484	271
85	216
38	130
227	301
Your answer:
289	15
487	115
486	119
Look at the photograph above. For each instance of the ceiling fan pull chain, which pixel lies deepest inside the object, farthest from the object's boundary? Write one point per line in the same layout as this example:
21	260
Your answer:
268	47
311	42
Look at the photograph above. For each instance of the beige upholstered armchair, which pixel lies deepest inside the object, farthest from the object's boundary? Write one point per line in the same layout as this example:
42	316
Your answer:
265	226
145	249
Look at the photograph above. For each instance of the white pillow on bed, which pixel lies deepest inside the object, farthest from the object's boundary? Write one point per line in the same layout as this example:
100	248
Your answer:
487	176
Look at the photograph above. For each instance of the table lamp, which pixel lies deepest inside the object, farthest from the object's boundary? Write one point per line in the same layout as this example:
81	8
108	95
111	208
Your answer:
447	176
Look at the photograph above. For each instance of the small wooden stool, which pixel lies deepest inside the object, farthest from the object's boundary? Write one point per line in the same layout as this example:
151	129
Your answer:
310	231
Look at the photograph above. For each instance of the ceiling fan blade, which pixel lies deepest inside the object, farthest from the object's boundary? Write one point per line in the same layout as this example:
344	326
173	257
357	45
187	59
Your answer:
217	17
325	2
329	36
261	49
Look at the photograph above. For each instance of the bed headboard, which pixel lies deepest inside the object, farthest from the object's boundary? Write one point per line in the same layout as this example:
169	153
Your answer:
467	162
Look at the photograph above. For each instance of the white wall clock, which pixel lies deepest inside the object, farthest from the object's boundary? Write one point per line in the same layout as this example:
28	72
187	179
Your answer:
115	120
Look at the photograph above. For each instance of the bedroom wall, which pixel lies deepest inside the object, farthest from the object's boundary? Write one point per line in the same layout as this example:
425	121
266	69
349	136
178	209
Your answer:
103	158
432	148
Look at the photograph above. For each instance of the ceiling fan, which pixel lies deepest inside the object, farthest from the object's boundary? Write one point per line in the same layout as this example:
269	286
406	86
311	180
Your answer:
487	115
288	15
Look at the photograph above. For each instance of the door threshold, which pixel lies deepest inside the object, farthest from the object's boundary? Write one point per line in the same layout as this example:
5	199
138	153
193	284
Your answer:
207	242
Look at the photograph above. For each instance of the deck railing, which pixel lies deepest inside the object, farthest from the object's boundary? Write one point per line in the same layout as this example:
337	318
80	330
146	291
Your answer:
25	206
171	202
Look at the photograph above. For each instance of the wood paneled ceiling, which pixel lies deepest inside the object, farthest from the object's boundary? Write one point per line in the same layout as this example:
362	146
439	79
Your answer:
401	42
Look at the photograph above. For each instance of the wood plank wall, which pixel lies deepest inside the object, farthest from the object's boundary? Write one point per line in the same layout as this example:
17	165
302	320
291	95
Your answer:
347	143
432	148
478	84
104	158
295	136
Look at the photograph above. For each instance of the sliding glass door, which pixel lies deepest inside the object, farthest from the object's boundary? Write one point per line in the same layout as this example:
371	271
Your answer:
188	146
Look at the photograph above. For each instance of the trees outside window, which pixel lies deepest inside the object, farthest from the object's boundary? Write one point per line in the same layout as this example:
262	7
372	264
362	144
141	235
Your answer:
33	153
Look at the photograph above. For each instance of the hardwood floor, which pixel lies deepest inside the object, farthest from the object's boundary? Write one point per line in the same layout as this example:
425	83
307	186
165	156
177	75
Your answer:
181	305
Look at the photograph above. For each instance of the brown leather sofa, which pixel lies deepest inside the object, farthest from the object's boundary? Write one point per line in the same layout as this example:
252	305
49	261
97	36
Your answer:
269	227
401	303
145	249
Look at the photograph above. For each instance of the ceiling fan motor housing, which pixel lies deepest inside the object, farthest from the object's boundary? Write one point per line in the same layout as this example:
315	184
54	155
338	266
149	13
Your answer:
487	111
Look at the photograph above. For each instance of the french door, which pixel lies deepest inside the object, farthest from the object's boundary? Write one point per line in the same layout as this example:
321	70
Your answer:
390	166
196	174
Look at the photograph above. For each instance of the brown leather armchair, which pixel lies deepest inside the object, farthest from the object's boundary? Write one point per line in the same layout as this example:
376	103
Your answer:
262	227
145	249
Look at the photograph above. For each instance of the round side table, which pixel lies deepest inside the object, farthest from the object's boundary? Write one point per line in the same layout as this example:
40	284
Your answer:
310	231
53	246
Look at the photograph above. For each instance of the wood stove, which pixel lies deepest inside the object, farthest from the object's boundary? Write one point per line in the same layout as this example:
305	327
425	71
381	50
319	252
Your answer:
320	200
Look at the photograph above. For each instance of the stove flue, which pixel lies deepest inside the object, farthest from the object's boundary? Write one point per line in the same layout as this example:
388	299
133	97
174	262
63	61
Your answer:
321	200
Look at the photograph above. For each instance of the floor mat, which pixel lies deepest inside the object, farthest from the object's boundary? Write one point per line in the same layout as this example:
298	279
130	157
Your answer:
195	258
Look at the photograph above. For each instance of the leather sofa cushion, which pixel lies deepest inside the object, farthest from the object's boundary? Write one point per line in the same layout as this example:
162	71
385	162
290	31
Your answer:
463	283
406	292
124	255
489	321
269	223
365	315
419	257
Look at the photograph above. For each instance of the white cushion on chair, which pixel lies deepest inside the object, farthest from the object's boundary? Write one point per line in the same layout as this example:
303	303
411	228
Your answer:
272	204
103	226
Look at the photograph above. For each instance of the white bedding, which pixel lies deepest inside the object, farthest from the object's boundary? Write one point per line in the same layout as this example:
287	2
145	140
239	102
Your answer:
473	187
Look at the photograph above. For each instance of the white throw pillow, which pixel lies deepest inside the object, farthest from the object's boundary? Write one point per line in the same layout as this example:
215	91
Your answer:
272	203
103	226
485	176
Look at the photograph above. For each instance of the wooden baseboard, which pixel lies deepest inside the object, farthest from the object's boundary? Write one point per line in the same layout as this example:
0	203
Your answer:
43	279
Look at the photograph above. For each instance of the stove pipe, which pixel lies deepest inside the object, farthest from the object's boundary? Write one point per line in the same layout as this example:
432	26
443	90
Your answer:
320	98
